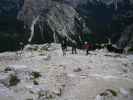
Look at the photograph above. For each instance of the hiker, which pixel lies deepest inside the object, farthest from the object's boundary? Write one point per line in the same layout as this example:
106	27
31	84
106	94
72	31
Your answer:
64	46
74	45
87	46
20	52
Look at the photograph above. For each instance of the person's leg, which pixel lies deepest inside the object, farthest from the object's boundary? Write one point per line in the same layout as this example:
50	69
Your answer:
66	48
63	51
22	52
75	50
72	50
87	52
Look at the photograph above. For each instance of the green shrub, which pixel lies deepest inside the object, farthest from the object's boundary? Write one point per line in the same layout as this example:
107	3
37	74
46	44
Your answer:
36	75
13	80
130	50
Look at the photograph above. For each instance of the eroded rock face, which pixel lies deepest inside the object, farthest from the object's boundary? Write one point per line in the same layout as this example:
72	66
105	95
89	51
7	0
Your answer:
51	21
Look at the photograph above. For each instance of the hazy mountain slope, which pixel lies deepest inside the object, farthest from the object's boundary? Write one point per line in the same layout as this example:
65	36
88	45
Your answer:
126	38
10	7
104	18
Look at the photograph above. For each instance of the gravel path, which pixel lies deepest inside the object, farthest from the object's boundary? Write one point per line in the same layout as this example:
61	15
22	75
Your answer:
70	77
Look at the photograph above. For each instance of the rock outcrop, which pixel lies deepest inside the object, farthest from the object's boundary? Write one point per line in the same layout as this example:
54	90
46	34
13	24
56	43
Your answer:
126	39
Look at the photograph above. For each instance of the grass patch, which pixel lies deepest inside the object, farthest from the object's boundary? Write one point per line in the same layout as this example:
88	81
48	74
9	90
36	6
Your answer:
105	93
113	92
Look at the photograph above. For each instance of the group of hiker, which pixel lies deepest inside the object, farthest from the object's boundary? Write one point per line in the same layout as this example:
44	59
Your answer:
64	43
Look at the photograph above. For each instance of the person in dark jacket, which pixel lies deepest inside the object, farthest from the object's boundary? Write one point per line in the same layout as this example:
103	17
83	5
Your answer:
64	46
74	46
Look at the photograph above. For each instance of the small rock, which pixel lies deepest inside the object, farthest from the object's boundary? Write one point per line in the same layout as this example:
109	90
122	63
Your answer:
18	68
83	76
77	70
6	94
57	92
35	82
29	99
4	79
71	75
108	94
7	69
124	92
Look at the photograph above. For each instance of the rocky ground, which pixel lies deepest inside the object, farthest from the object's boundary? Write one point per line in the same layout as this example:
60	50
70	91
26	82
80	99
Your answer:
40	72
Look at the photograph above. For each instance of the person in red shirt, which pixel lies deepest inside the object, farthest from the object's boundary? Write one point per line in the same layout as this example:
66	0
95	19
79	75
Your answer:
87	46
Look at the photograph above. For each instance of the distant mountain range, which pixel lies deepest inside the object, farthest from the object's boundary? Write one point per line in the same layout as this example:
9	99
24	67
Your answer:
39	21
